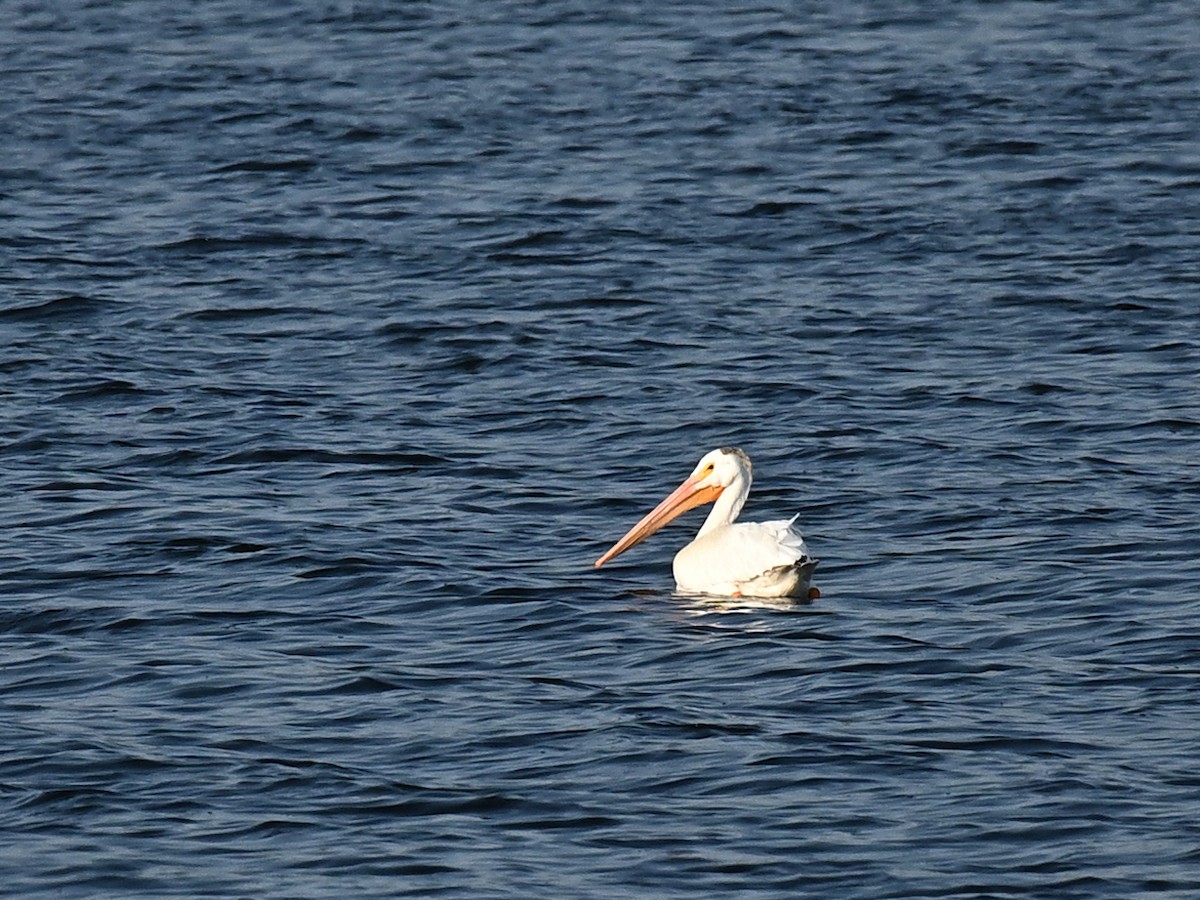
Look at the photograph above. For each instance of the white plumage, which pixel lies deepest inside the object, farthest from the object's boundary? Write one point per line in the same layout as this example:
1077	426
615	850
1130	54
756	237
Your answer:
749	559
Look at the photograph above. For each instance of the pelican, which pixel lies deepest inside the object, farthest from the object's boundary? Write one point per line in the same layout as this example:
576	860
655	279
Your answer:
731	558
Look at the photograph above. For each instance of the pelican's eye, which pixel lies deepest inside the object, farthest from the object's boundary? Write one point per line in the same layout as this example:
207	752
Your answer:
708	470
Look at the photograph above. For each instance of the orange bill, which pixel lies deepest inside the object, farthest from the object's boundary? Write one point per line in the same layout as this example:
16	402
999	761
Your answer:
687	496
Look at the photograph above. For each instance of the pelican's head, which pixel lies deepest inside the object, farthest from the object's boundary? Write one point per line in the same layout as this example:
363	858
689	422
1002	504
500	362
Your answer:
722	467
715	472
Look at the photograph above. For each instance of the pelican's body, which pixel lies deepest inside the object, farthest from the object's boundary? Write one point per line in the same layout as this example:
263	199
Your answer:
730	558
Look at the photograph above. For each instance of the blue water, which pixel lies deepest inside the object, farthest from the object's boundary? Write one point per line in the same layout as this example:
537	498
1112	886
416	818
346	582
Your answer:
338	339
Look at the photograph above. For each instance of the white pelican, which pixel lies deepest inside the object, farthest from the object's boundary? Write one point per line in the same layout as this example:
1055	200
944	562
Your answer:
742	559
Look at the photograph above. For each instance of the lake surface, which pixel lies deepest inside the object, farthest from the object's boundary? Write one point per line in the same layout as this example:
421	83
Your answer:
338	339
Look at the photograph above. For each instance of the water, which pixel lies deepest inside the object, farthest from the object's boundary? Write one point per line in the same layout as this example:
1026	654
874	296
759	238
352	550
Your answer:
339	339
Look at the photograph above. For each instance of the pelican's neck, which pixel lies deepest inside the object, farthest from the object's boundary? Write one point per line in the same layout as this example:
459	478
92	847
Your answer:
729	504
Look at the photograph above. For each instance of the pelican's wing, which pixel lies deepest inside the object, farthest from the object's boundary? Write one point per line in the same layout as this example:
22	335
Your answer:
727	559
787	538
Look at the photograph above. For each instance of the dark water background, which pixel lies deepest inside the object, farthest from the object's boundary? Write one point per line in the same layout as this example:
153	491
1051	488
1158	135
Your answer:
338	338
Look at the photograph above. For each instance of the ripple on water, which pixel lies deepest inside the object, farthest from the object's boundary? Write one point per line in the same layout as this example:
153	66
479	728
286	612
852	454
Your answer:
338	343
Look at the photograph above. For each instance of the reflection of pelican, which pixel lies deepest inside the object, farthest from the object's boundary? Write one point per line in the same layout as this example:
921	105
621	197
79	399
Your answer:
750	559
